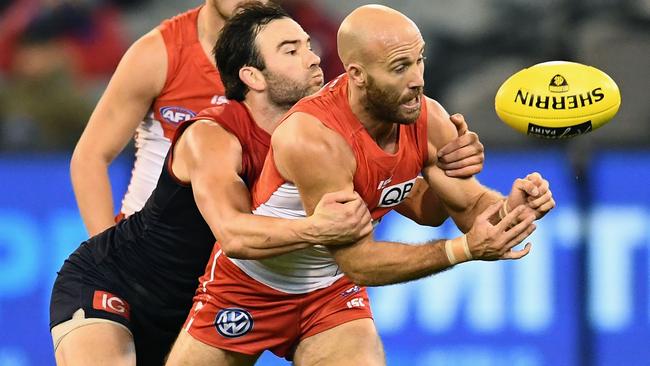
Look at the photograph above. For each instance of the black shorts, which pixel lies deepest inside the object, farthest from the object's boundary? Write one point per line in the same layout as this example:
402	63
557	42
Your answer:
100	290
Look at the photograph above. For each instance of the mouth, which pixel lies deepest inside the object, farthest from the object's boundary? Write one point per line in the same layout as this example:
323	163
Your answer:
317	78
413	103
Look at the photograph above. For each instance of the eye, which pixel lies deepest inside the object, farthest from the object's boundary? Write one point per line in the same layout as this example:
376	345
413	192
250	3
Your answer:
400	69
421	59
291	52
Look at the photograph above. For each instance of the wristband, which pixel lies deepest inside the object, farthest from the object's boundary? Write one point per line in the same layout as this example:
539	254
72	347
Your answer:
457	250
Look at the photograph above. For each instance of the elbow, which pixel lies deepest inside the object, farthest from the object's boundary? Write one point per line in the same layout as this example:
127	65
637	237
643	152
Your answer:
463	225
233	248
86	161
432	220
363	281
358	276
76	162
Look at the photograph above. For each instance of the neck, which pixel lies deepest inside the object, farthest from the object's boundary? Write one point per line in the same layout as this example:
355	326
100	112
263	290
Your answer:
209	25
266	115
383	132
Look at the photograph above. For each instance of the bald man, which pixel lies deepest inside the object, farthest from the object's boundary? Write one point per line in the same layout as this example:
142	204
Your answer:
372	131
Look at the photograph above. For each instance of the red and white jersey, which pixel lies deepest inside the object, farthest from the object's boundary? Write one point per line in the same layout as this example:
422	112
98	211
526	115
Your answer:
382	179
193	84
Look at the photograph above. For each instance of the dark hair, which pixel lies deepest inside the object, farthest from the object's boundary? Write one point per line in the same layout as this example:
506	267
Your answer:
236	47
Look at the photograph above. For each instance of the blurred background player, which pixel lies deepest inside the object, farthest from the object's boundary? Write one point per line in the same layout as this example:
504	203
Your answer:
165	78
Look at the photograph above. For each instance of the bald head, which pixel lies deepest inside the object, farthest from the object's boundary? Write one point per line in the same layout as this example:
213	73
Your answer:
370	32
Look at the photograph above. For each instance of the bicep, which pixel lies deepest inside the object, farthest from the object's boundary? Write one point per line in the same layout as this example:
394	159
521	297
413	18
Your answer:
314	158
210	158
138	79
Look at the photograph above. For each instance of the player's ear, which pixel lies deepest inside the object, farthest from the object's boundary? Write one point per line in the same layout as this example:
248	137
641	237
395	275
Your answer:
357	74
253	78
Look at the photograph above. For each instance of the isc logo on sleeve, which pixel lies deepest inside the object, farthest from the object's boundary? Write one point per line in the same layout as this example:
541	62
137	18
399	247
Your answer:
393	195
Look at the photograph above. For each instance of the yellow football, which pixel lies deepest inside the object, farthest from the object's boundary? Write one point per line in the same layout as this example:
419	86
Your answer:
557	99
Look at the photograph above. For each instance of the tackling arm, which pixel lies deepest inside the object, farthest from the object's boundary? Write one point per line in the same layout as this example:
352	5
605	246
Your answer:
225	202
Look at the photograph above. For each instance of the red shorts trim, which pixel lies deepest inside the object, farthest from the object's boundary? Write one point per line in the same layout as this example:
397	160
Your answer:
234	312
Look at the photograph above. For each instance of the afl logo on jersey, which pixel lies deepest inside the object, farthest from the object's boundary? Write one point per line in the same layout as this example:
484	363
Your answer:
233	322
393	195
176	115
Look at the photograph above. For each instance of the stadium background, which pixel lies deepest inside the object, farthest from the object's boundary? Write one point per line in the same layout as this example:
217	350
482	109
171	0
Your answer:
581	298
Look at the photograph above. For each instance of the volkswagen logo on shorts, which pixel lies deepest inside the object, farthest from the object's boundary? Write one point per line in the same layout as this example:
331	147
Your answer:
233	322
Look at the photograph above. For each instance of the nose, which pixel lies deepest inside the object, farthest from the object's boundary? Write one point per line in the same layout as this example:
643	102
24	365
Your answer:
312	59
417	78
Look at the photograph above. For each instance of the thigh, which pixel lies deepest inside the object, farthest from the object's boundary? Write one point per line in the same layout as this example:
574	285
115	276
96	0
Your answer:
352	343
189	351
95	343
90	324
237	313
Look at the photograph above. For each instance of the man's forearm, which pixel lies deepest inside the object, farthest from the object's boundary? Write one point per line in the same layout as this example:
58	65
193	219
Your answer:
465	219
372	263
92	190
249	236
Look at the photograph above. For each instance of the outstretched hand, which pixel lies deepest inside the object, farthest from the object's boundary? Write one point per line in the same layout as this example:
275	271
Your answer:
494	242
341	218
463	157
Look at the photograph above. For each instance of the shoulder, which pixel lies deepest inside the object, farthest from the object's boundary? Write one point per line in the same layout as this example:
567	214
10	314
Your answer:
142	71
147	56
207	134
228	110
179	22
231	116
150	45
303	137
302	130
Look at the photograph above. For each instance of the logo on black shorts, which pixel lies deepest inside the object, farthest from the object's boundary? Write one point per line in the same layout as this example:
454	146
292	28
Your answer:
233	322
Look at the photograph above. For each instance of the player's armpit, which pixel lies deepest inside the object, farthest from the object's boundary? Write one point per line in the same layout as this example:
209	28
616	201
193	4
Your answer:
423	205
138	79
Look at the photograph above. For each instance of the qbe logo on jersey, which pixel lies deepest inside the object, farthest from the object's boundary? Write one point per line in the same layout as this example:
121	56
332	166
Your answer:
393	195
233	322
